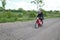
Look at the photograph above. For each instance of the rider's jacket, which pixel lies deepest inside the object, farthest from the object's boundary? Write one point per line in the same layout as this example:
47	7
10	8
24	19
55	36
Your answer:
40	15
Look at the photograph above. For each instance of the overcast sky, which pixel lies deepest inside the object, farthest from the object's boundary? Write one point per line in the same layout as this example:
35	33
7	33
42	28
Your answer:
25	4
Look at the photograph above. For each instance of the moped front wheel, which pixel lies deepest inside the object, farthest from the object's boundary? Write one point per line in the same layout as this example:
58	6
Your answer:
36	25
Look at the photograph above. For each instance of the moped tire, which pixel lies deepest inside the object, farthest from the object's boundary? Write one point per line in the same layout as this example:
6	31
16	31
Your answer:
36	25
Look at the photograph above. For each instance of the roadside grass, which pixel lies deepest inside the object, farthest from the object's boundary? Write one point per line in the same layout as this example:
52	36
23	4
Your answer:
4	20
13	17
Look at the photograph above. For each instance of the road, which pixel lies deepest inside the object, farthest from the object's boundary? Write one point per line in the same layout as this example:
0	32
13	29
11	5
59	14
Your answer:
26	31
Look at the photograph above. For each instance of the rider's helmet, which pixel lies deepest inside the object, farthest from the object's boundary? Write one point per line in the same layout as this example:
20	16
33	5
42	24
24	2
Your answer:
39	11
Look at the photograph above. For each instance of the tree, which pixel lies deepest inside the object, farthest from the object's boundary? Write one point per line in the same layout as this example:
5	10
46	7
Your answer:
1	8
39	3
3	3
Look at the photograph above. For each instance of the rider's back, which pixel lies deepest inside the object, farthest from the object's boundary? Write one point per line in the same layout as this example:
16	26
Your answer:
40	15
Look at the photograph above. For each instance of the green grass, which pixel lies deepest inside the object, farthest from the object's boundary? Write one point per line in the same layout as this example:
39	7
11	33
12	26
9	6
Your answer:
4	20
12	17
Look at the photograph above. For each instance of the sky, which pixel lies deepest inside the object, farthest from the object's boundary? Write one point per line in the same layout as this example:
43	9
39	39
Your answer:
27	5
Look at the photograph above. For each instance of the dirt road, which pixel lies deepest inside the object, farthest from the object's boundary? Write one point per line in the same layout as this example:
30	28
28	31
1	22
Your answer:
26	31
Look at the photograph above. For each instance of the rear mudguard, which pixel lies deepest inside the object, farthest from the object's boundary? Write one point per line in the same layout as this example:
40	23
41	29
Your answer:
39	22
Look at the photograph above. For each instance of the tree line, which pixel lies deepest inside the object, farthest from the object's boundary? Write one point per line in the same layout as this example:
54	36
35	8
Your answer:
23	15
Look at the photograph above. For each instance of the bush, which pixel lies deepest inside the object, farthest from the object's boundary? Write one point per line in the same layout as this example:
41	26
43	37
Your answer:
32	14
20	15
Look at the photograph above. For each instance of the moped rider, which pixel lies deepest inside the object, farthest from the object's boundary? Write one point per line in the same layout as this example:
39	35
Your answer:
40	15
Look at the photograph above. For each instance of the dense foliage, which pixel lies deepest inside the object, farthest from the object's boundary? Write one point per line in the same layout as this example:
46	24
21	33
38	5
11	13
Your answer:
23	15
